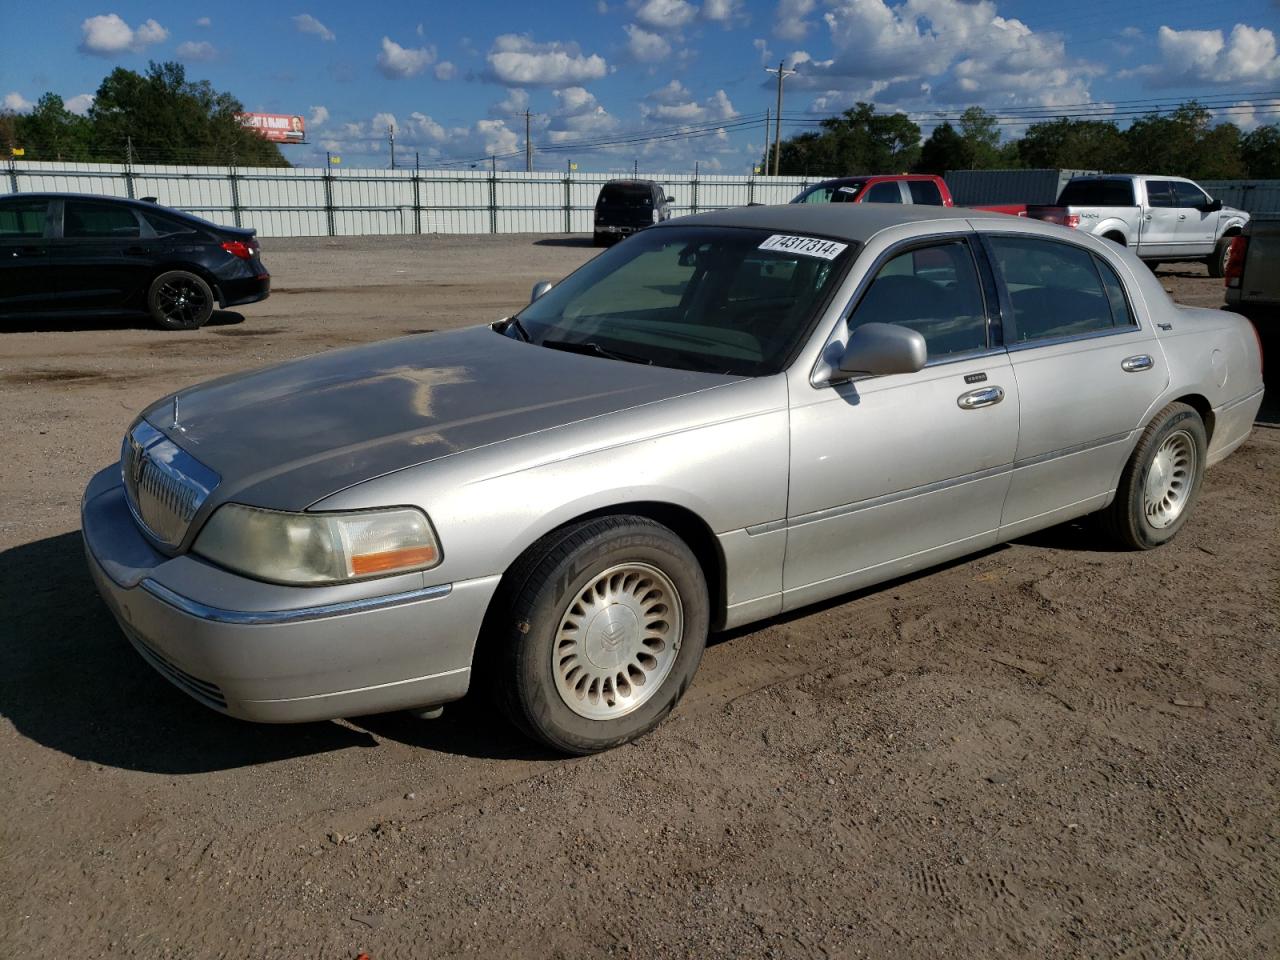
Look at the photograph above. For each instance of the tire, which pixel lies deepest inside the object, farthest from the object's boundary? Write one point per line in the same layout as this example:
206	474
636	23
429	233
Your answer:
1152	265
179	300
1217	261
1141	519
591	581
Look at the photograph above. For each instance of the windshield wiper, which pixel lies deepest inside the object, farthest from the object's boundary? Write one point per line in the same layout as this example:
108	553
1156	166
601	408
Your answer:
591	348
519	327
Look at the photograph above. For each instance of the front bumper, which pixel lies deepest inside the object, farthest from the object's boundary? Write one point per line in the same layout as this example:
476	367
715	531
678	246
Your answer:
280	654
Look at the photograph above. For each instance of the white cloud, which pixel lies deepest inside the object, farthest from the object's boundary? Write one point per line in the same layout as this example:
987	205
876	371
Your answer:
1244	115
107	35
577	115
646	47
17	103
204	22
306	23
517	60
675	104
446	70
319	115
1247	55
602	7
762	48
400	62
196	51
790	21
941	51
516	101
80	103
723	11
666	14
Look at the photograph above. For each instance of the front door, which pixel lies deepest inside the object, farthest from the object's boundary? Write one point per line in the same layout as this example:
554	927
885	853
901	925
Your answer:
894	473
1197	229
26	281
1087	372
102	260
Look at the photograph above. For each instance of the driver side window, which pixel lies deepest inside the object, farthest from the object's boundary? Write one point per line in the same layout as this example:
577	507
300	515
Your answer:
934	290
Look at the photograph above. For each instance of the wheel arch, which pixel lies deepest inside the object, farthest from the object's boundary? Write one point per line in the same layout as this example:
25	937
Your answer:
185	265
683	522
1200	404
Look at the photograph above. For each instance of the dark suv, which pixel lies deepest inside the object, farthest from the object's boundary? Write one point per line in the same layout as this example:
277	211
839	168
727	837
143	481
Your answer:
68	254
625	206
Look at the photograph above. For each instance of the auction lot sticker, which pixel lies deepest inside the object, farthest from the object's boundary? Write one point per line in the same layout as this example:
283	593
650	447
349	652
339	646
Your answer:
809	246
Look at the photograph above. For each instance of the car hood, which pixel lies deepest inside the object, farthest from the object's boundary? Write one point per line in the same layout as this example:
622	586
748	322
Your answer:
287	436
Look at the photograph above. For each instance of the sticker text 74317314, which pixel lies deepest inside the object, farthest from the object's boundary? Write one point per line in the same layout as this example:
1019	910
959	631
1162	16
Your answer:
808	246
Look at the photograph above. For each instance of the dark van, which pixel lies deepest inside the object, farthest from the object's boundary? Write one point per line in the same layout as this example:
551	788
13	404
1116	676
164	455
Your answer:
625	206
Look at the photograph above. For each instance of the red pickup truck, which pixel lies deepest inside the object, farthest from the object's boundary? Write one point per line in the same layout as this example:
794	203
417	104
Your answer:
894	188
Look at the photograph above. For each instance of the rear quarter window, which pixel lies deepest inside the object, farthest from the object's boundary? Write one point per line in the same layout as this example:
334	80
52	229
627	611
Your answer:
22	219
1097	193
925	192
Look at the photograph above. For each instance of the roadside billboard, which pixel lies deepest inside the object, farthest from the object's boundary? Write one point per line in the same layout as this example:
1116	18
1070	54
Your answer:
276	127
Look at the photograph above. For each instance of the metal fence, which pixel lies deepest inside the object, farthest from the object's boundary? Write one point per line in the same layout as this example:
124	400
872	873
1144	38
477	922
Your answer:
301	202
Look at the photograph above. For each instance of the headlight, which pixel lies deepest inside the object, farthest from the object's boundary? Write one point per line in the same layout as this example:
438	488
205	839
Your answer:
318	547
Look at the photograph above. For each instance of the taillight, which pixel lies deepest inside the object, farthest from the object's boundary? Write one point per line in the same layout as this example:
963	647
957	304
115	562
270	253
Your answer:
244	249
1071	220
1233	272
1257	335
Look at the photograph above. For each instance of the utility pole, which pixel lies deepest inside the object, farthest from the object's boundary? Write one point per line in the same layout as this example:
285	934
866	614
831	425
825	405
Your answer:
391	139
782	73
528	144
765	165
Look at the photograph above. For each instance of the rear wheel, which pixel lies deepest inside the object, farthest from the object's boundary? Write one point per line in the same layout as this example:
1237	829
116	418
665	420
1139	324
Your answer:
1160	483
1217	261
179	300
602	628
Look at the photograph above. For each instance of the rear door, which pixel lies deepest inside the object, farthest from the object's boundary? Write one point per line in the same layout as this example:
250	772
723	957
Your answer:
1087	371
1160	222
26	281
102	259
887	191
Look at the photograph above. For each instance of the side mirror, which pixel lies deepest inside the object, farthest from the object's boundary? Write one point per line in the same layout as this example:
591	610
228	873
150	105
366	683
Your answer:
669	199
540	288
1213	206
883	348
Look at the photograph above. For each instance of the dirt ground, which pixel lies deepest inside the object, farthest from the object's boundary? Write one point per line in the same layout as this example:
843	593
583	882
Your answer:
1047	750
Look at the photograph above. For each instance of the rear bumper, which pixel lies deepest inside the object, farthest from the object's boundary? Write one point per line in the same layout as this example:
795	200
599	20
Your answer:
295	654
1233	422
235	293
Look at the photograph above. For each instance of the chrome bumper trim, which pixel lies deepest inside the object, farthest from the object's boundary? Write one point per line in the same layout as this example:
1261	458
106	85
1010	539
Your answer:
249	617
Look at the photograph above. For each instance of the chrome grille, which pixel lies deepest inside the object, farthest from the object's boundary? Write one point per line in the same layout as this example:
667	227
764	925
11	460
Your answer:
165	484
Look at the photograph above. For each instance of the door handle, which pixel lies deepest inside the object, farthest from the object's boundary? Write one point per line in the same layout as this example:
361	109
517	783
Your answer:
982	397
137	251
1135	364
29	252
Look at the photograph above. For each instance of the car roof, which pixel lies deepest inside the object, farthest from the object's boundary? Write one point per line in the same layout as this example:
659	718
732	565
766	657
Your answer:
630	183
848	221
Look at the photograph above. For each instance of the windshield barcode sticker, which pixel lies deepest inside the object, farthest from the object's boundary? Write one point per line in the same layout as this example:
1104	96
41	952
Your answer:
809	246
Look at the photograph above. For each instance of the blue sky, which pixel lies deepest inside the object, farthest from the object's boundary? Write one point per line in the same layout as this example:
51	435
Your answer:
455	79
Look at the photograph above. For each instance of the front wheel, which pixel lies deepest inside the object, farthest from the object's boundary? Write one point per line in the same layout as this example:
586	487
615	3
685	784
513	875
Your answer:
1217	261
179	300
602	629
1161	481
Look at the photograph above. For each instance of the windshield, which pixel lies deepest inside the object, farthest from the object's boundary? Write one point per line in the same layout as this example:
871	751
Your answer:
625	196
722	299
834	191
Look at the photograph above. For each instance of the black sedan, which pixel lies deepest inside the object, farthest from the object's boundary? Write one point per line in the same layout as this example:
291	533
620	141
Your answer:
65	254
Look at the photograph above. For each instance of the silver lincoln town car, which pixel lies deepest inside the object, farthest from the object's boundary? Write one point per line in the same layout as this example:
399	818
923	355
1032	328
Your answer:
723	418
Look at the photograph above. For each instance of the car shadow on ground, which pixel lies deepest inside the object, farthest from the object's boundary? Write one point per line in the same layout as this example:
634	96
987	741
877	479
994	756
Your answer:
37	324
70	681
564	242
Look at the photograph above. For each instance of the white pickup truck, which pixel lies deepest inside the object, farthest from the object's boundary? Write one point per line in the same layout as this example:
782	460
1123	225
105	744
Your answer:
1160	219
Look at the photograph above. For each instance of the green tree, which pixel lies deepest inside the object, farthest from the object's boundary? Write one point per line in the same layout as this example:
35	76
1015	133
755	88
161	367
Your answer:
1260	151
1184	143
1073	145
855	142
981	132
945	150
167	118
52	132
